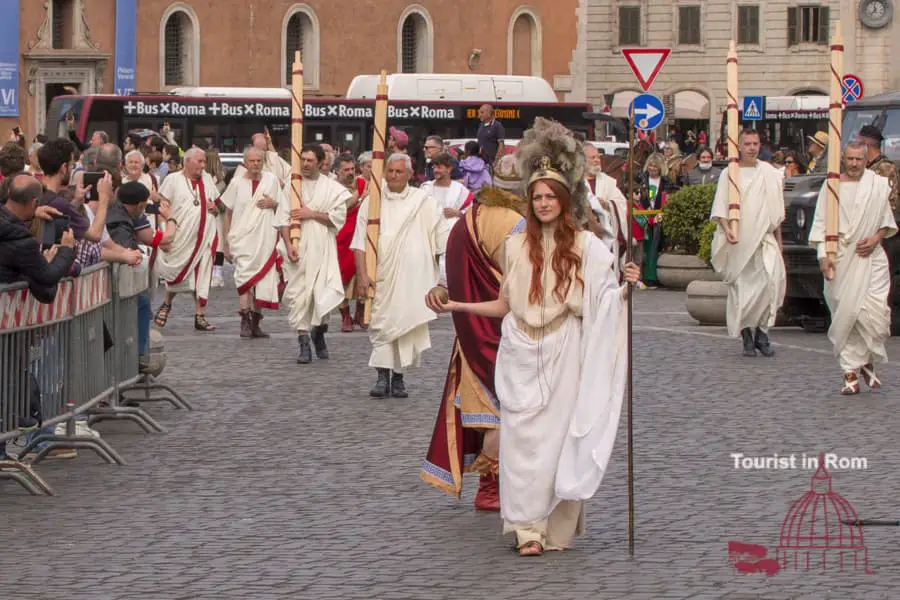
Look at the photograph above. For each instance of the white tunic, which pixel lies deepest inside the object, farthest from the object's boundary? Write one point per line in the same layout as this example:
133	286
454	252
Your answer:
858	295
254	236
561	394
753	268
453	196
412	235
187	266
314	285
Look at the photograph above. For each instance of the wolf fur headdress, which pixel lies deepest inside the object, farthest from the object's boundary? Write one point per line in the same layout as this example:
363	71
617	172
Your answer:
549	151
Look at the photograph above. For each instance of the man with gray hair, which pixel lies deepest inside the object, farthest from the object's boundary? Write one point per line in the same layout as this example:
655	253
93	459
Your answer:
858	280
256	208
274	164
187	265
412	237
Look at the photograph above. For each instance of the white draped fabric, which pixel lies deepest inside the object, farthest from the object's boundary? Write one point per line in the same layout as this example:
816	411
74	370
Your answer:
413	234
858	295
560	397
314	285
453	196
187	266
254	236
753	268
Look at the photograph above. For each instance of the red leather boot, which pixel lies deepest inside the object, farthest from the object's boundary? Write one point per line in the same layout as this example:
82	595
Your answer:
488	496
346	320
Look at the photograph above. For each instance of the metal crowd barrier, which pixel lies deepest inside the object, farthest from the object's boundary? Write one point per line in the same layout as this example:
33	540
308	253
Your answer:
74	356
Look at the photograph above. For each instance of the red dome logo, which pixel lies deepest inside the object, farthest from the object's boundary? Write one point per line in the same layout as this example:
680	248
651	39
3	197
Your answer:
821	532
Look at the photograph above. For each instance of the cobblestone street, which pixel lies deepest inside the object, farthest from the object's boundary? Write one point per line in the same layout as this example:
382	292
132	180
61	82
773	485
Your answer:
288	481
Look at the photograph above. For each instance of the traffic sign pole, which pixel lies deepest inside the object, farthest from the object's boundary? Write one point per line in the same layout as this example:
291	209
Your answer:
628	258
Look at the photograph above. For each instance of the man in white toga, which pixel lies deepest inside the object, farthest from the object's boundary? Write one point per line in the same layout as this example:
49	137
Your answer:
412	237
453	197
751	265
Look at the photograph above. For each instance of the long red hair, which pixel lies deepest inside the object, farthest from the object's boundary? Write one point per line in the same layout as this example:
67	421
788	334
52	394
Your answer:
565	260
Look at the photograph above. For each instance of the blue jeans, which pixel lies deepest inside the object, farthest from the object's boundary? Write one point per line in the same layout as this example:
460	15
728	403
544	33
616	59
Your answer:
145	315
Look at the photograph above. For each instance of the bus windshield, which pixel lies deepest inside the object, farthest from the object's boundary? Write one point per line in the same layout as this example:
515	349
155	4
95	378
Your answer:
885	118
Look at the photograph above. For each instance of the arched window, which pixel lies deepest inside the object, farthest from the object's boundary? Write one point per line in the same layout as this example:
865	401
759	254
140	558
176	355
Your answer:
300	31
180	41
523	43
415	41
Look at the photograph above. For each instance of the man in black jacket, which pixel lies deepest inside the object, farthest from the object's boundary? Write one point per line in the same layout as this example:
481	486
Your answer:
21	258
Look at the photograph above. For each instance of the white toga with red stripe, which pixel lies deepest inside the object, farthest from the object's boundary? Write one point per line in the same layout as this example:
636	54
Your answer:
187	266
254	237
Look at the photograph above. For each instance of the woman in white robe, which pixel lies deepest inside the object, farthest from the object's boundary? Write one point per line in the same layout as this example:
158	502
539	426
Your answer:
560	373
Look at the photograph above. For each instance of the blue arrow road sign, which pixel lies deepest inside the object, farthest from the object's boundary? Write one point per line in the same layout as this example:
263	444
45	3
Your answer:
648	112
753	108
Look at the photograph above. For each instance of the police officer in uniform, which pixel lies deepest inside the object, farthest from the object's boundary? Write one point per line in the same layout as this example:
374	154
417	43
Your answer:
878	162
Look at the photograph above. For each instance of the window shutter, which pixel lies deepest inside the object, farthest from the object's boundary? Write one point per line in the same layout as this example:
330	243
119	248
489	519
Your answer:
824	22
792	28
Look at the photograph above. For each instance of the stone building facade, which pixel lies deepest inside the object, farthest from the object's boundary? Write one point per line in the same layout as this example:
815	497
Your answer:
783	50
69	45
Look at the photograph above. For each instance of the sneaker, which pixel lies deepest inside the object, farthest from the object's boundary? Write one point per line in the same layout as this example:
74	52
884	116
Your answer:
641	285
81	428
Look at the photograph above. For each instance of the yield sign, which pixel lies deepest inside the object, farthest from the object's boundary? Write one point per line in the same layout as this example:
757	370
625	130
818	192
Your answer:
646	63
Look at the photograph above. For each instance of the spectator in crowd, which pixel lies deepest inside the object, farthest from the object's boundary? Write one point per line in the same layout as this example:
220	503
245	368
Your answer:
398	141
434	145
34	167
21	258
129	227
654	188
365	165
154	165
12	160
474	169
704	172
793	166
490	135
57	159
132	142
816	149
173	163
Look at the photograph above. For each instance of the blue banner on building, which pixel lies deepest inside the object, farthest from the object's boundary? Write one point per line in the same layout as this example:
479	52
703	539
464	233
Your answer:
9	58
126	46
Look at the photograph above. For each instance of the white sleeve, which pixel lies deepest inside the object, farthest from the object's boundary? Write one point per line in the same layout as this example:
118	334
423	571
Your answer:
362	220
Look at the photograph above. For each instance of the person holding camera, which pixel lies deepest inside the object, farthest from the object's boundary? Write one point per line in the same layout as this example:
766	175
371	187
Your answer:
21	256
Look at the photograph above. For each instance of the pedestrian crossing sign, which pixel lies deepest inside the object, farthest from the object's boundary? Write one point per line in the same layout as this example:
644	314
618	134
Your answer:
753	108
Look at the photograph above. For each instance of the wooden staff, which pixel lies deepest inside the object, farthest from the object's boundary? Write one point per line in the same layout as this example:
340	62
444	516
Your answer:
296	145
734	168
374	224
835	110
628	258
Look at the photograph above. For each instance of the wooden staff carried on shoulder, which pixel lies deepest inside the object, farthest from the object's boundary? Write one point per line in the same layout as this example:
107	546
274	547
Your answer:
734	168
373	228
296	145
835	114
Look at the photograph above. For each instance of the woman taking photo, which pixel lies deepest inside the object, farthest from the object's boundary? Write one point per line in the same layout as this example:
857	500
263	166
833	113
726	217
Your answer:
560	371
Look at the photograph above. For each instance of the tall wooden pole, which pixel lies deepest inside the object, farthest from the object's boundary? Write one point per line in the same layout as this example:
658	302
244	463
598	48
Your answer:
628	259
734	167
296	145
373	228
835	110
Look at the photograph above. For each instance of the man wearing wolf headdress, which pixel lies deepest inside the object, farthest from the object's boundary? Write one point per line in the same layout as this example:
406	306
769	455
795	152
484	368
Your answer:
466	434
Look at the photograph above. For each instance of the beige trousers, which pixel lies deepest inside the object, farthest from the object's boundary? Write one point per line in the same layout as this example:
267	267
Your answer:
556	531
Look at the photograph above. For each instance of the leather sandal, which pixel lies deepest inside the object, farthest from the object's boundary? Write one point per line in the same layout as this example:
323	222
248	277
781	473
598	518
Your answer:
869	377
201	324
532	548
162	315
851	384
